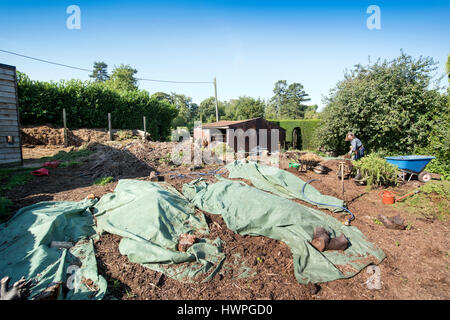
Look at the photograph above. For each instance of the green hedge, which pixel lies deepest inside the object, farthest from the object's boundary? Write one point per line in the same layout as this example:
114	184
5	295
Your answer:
87	105
307	128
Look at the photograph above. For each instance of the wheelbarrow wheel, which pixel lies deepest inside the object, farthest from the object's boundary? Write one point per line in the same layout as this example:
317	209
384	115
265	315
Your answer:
424	176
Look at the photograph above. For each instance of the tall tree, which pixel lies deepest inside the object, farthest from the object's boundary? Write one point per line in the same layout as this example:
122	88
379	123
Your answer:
100	72
287	102
245	108
122	78
187	110
207	110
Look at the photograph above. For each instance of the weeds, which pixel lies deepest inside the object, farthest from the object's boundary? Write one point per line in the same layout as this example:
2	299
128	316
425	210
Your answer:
432	200
124	134
104	180
69	164
69	156
10	178
376	221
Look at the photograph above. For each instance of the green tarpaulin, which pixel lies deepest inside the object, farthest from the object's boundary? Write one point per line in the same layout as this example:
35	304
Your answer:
280	182
151	217
25	248
250	211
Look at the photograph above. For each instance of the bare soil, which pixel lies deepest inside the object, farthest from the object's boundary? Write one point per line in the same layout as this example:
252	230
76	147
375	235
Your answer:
416	267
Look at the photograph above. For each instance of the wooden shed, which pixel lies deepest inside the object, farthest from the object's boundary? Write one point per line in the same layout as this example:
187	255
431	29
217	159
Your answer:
221	128
10	146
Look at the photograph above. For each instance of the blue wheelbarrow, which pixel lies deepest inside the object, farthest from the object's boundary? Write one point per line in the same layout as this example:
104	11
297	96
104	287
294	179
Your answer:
412	165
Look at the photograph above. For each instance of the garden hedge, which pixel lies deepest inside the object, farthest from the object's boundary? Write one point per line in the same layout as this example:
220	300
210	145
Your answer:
88	103
307	128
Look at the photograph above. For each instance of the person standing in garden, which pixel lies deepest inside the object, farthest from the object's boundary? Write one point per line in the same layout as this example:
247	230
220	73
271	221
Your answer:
356	146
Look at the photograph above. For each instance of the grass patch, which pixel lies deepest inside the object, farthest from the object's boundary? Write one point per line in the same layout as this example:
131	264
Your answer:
69	156
10	178
104	180
69	164
5	207
432	200
124	134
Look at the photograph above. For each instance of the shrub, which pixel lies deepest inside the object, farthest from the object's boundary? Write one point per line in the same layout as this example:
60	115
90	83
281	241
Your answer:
387	105
377	171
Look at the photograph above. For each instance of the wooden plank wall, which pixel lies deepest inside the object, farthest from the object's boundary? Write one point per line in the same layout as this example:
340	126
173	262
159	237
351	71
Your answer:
9	117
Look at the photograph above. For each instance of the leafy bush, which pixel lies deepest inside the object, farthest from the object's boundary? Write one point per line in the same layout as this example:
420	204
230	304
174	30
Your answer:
88	103
438	141
377	171
387	105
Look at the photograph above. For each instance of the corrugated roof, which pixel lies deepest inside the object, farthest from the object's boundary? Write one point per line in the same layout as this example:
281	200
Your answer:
225	123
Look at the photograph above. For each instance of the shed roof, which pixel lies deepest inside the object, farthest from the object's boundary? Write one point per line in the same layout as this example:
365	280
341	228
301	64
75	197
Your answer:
225	123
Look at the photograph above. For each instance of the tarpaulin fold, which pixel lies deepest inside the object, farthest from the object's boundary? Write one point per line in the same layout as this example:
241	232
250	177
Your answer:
150	217
281	183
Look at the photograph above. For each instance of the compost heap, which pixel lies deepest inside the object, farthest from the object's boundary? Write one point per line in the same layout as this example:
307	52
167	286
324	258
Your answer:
25	249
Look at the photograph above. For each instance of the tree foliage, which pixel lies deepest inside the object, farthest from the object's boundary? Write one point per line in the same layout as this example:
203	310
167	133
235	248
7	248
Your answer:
447	67
100	72
187	110
122	78
386	104
244	108
288	101
207	110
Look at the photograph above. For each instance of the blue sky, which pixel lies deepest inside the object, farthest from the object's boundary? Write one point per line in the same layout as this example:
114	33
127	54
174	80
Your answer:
246	45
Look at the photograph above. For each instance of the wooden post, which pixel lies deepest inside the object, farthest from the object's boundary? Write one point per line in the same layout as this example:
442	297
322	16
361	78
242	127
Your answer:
217	101
109	127
65	128
145	128
341	168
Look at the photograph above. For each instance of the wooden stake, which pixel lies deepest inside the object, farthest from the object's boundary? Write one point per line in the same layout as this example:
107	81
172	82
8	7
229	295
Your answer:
145	129
65	128
109	127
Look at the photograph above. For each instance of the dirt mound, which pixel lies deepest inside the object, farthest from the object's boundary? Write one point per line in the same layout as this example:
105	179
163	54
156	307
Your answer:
42	135
46	135
136	158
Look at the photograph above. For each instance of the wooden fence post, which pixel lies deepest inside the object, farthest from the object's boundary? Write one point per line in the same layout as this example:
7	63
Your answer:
145	129
66	143
109	127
